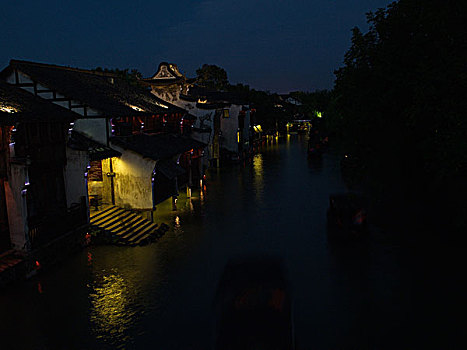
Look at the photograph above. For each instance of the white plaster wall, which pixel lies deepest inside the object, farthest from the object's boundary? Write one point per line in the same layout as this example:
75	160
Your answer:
63	104
23	78
75	181
79	110
204	137
46	95
132	182
93	128
205	119
16	205
246	134
11	78
229	128
93	112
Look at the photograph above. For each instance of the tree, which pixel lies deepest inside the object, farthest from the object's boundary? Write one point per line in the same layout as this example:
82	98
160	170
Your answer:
400	95
212	77
130	75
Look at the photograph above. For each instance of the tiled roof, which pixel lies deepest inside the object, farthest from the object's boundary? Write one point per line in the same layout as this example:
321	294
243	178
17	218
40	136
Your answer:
157	146
17	104
96	150
109	93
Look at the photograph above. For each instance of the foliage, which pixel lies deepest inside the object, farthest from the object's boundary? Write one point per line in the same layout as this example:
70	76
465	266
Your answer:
263	102
212	77
131	75
401	94
313	102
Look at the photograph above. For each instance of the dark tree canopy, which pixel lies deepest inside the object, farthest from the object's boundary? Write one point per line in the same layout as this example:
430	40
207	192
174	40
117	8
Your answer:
401	94
131	75
212	77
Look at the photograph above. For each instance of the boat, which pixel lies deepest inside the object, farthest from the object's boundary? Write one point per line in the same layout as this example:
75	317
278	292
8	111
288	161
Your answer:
253	306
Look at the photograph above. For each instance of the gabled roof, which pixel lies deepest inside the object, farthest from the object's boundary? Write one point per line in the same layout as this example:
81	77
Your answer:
157	146
17	104
167	73
109	93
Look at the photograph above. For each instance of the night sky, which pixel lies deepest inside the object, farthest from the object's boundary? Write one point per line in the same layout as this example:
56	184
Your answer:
278	46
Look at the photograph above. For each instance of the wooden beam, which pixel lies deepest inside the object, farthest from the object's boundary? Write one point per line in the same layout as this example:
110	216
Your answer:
45	91
61	99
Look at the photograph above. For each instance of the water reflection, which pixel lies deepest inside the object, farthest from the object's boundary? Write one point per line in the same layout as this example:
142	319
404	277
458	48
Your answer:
258	180
160	296
110	312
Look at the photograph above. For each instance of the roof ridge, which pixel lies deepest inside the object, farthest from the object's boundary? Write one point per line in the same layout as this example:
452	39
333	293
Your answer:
81	70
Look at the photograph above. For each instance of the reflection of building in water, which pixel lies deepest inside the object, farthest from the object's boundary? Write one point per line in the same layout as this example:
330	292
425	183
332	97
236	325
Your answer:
259	172
110	312
258	165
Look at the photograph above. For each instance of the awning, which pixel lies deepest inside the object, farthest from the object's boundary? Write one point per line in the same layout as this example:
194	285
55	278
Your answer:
96	150
169	168
99	153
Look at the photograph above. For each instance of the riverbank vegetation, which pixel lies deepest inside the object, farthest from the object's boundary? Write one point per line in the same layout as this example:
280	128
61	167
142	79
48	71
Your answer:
400	104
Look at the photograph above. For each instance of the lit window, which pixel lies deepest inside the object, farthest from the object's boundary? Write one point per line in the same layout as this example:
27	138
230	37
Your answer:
226	113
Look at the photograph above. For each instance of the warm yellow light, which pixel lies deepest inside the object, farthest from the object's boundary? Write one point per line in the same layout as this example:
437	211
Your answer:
202	101
109	305
136	108
8	109
161	105
238	136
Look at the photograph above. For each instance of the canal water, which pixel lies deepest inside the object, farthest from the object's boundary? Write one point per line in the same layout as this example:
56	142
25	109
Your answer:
160	296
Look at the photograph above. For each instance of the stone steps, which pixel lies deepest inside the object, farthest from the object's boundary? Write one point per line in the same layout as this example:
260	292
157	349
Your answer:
125	227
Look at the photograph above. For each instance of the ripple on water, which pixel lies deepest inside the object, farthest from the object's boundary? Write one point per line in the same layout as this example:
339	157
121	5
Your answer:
112	308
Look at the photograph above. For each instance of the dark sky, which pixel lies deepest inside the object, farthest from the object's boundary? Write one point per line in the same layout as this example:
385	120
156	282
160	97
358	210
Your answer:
277	45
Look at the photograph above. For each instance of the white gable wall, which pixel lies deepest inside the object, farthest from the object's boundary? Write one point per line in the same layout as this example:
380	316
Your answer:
94	128
132	181
75	182
229	128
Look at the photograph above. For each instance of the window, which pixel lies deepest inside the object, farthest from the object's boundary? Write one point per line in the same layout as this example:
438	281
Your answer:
226	113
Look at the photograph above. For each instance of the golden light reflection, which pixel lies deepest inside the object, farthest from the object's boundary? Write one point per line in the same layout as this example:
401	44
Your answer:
110	312
259	172
258	164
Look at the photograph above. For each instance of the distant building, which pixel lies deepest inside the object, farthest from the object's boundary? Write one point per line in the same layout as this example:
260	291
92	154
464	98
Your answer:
223	119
